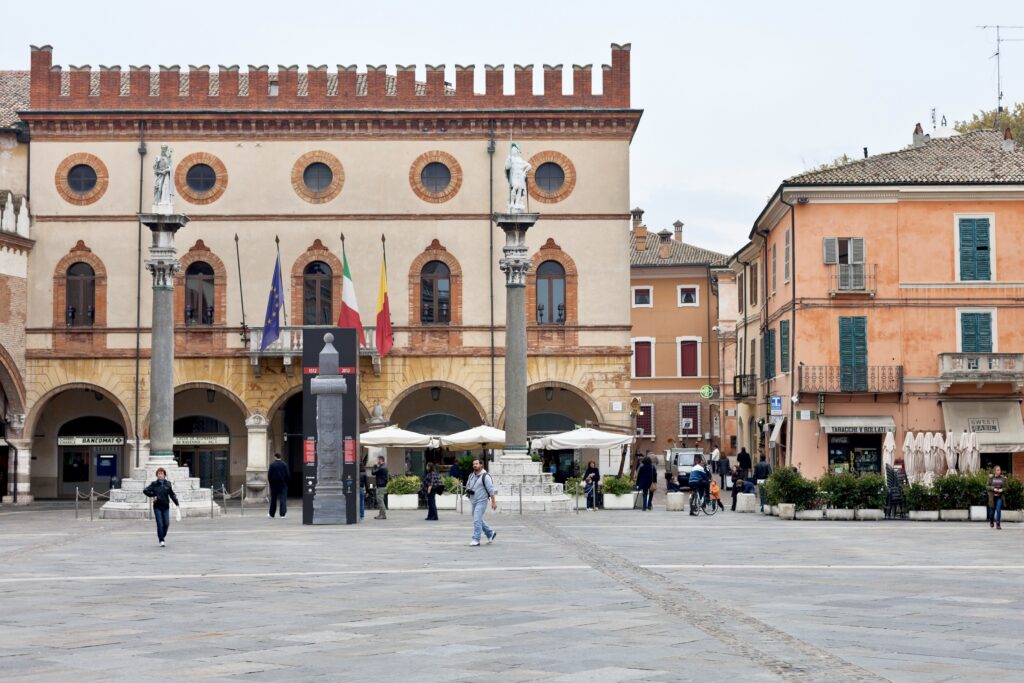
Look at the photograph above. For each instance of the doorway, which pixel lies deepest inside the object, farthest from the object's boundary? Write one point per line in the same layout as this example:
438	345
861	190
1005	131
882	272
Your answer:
89	452
203	445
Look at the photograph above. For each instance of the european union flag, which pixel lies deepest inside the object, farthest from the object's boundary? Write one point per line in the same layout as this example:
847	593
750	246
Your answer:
272	324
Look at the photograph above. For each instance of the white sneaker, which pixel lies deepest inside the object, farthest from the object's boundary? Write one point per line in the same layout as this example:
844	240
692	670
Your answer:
473	544
162	544
490	539
270	515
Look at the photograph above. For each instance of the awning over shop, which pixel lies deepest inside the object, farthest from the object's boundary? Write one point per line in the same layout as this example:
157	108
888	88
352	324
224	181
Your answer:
857	424
776	430
997	424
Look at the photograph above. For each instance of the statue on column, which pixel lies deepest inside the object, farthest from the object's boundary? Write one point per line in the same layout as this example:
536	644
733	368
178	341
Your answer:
517	172
162	182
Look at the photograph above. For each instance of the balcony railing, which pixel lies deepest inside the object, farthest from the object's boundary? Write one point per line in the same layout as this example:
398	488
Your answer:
835	379
851	278
744	386
289	344
981	368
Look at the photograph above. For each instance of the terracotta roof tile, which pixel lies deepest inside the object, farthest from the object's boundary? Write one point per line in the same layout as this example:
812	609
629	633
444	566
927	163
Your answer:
13	96
682	254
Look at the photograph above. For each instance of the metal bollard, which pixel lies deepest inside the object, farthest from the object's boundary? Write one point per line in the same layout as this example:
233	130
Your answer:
76	502
92	497
212	503
520	500
241	512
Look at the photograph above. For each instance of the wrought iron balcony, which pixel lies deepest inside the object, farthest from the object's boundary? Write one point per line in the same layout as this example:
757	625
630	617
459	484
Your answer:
744	386
851	278
981	368
289	344
835	379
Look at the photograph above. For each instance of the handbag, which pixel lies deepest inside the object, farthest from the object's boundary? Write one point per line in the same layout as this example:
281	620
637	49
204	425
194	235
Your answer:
177	513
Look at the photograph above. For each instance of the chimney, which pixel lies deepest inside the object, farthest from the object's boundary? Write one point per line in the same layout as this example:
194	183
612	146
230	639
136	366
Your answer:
1008	144
640	232
678	225
919	136
665	245
638	217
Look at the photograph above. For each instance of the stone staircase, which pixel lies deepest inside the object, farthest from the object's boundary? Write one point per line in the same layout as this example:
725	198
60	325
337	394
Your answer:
128	502
540	493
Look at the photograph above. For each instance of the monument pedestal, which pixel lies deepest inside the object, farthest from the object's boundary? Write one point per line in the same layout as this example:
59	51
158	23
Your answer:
128	502
514	474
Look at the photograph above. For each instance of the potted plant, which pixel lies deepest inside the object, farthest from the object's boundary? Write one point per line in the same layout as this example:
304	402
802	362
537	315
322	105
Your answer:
922	502
1013	500
404	493
792	491
449	499
870	497
954	498
618	493
977	495
840	494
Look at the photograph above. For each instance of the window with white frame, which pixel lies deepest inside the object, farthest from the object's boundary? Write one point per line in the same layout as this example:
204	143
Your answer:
643	357
975	240
689	419
976	330
689	356
643	297
687	295
847	255
645	420
785	258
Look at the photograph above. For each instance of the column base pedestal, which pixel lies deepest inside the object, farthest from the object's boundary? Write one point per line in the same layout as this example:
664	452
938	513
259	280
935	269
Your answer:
23	499
128	502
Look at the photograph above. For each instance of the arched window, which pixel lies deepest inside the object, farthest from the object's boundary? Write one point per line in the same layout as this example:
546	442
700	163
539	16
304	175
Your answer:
435	293
199	294
551	293
81	295
317	299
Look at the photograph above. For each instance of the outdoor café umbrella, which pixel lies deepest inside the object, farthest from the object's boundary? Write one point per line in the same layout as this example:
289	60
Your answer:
395	437
938	463
582	438
918	468
973	454
888	450
965	452
482	437
924	464
952	452
908	454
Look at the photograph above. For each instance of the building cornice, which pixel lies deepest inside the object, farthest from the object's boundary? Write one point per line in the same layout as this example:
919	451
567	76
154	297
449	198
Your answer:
12	242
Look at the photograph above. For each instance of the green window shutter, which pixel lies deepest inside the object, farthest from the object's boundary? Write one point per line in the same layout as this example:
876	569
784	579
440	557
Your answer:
982	247
860	353
969	332
846	367
984	332
784	345
968	252
769	350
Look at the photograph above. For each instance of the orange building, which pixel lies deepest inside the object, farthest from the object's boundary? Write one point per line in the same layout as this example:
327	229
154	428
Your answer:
894	288
674	340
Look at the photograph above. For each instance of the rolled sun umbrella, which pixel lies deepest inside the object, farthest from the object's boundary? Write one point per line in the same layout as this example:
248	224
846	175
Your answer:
888	450
938	454
908	453
964	452
919	452
974	457
952	451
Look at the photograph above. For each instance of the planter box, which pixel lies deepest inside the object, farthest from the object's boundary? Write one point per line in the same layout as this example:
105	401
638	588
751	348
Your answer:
1013	516
446	501
410	501
787	510
621	502
844	514
979	513
746	502
870	515
677	502
924	515
954	515
810	515
775	511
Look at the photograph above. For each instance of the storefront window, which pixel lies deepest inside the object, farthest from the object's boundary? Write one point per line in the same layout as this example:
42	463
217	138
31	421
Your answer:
857	453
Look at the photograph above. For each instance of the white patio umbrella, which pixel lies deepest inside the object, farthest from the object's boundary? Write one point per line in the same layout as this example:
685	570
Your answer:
908	453
483	436
952	452
965	452
925	464
888	450
396	437
914	475
974	454
582	438
938	464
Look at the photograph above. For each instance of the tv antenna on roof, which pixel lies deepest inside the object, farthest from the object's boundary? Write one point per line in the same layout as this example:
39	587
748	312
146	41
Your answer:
998	56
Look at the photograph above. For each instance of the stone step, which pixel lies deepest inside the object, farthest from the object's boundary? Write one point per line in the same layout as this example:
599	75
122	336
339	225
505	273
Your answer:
125	510
500	468
530	490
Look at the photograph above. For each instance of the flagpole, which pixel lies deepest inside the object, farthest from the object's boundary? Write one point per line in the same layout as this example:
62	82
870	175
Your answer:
384	251
241	293
284	309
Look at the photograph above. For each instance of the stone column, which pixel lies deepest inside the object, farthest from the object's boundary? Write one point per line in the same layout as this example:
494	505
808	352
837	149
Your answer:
515	264
19	472
256	459
141	456
163	264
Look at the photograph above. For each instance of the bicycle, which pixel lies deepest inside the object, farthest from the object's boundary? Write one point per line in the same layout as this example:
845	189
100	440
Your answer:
703	501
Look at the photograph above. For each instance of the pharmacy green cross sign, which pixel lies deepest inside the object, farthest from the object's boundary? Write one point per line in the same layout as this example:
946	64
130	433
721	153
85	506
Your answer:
707	391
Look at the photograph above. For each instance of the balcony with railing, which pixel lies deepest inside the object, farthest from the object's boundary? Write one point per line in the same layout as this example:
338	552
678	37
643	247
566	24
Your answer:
744	386
836	379
980	369
289	344
852	278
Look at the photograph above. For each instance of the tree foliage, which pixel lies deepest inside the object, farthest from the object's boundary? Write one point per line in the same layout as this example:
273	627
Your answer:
1012	118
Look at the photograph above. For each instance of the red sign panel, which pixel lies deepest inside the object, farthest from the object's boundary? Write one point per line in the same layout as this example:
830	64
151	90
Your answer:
350	451
309	451
316	371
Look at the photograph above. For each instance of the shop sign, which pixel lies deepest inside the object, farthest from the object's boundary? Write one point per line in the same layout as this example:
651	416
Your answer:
774	419
821	404
90	440
859	429
686	424
805	415
776	405
989	425
201	440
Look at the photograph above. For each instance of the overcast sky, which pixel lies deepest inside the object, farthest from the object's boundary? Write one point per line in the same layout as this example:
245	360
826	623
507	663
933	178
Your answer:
736	95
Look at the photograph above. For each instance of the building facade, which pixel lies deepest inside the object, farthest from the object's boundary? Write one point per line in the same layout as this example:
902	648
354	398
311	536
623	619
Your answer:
314	159
674	300
894	303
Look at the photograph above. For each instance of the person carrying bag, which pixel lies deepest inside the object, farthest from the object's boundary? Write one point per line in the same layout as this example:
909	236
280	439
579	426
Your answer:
162	494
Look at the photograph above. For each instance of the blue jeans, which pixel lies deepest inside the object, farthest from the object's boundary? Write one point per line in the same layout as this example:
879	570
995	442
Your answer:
997	511
478	520
163	522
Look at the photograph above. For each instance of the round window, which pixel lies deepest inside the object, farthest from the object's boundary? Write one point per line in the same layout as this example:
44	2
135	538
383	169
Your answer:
81	178
201	178
549	177
436	177
317	177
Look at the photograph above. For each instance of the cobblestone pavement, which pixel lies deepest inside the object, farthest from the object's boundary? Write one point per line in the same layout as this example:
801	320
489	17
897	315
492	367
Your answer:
609	596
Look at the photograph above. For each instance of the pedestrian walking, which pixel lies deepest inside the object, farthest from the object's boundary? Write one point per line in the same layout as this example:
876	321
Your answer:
699	480
762	470
647	482
277	478
380	477
591	478
161	492
480	488
744	462
996	486
432	485
724	470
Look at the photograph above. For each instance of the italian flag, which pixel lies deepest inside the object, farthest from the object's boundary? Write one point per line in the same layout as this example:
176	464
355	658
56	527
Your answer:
349	306
384	338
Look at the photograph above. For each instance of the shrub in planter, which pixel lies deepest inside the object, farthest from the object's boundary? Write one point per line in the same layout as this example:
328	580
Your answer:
1013	495
573	487
977	488
451	484
921	497
616	486
404	486
839	490
465	463
961	491
871	492
786	485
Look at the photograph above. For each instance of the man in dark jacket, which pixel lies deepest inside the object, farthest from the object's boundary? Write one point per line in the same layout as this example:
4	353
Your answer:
277	478
744	463
762	470
380	476
646	482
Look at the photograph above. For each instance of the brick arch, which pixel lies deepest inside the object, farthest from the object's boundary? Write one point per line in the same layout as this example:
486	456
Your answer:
316	252
435	336
13	385
547	335
39	405
84	339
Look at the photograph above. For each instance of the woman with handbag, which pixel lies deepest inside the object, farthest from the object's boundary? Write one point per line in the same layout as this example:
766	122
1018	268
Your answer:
590	479
161	492
647	482
432	485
